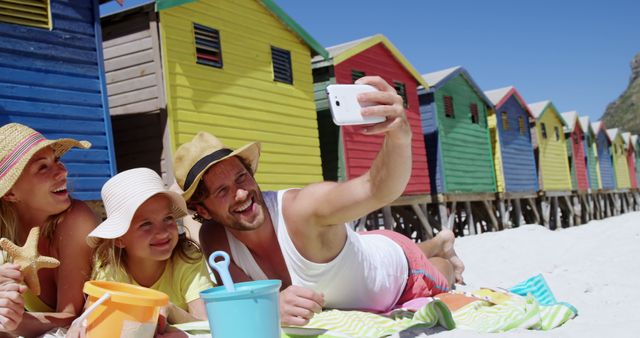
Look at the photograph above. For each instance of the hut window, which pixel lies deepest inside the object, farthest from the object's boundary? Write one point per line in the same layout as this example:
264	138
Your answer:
575	138
34	13
505	120
448	107
557	132
473	110
208	51
543	130
281	59
356	74
521	125
402	91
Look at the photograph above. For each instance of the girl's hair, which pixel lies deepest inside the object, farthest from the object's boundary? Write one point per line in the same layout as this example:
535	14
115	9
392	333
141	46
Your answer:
109	256
9	222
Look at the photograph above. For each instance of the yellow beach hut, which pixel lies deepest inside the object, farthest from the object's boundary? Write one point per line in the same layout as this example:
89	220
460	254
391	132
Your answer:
619	159
240	70
550	148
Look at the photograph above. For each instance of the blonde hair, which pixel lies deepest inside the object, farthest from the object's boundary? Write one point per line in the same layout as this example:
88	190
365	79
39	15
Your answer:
108	255
9	222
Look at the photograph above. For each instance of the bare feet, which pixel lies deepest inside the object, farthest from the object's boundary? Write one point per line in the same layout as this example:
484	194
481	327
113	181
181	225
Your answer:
447	239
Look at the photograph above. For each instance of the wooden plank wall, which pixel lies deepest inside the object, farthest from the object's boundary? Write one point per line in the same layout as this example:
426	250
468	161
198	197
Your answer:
241	102
552	152
495	150
135	85
620	166
428	114
517	150
52	82
579	165
631	162
361	150
604	156
465	147
592	161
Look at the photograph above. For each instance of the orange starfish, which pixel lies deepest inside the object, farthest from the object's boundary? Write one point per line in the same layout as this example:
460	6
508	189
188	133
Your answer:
28	258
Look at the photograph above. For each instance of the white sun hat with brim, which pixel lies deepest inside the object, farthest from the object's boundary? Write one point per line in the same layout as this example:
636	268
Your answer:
18	144
123	194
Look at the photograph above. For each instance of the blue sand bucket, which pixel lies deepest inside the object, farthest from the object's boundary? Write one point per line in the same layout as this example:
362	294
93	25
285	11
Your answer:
242	310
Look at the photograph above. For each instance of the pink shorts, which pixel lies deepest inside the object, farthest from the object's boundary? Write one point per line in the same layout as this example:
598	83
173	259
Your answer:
424	279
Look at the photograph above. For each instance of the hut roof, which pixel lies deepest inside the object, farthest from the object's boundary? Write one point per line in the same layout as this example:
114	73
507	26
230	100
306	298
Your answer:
344	51
499	96
110	8
571	117
439	78
539	108
613	133
585	123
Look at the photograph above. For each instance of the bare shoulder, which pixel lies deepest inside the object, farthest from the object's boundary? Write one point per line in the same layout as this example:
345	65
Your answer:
78	221
307	195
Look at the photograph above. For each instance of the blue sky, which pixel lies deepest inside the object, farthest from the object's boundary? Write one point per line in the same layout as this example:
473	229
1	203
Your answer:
574	53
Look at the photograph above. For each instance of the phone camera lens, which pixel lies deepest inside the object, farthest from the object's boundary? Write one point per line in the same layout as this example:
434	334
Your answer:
338	103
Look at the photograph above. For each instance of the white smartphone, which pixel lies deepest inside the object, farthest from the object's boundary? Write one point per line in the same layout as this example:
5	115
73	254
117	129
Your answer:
344	105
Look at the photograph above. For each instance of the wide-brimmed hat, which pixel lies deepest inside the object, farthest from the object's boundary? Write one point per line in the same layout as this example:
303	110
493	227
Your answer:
123	194
18	143
192	159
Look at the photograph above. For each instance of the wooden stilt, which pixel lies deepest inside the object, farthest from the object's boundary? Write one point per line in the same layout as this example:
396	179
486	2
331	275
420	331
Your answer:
423	220
389	223
492	217
504	216
469	218
517	211
554	214
534	209
444	216
452	216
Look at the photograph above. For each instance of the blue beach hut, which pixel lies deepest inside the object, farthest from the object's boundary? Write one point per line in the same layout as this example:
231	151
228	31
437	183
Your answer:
513	150
52	79
603	144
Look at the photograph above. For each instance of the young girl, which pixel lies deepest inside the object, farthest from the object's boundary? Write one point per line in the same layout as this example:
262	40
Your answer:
33	193
139	243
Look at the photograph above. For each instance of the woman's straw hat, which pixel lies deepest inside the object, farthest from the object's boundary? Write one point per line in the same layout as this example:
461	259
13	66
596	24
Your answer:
192	159
18	143
123	194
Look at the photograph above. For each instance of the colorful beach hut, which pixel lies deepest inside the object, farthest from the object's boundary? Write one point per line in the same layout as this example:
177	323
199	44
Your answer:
591	153
514	161
454	123
52	79
631	158
240	70
619	159
347	153
603	144
454	114
550	148
574	136
512	149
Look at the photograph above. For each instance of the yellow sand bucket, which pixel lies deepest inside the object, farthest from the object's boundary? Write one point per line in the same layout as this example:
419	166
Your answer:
130	310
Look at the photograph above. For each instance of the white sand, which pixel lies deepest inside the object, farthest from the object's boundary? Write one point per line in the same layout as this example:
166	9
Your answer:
595	267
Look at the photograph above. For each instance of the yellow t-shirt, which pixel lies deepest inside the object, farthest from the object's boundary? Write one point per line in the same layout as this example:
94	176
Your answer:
181	281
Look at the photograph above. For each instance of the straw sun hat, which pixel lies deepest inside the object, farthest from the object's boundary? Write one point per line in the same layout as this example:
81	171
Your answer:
193	158
18	143
123	194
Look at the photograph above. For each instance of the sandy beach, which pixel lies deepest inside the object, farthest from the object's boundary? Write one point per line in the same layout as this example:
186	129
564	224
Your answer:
595	267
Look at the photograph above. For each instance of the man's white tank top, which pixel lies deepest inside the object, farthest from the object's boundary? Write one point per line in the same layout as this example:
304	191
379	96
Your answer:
369	273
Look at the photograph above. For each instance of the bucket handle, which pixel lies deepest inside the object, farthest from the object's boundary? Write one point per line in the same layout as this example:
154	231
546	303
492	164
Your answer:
222	267
79	321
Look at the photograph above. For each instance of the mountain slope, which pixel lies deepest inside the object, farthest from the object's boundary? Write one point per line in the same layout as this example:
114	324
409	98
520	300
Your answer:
625	111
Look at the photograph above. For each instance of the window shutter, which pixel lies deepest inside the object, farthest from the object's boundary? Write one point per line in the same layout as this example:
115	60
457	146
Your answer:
448	107
281	59
557	132
208	49
34	13
356	74
521	125
543	129
402	91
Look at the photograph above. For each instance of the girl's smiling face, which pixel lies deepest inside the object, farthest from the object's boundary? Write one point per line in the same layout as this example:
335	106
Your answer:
153	233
